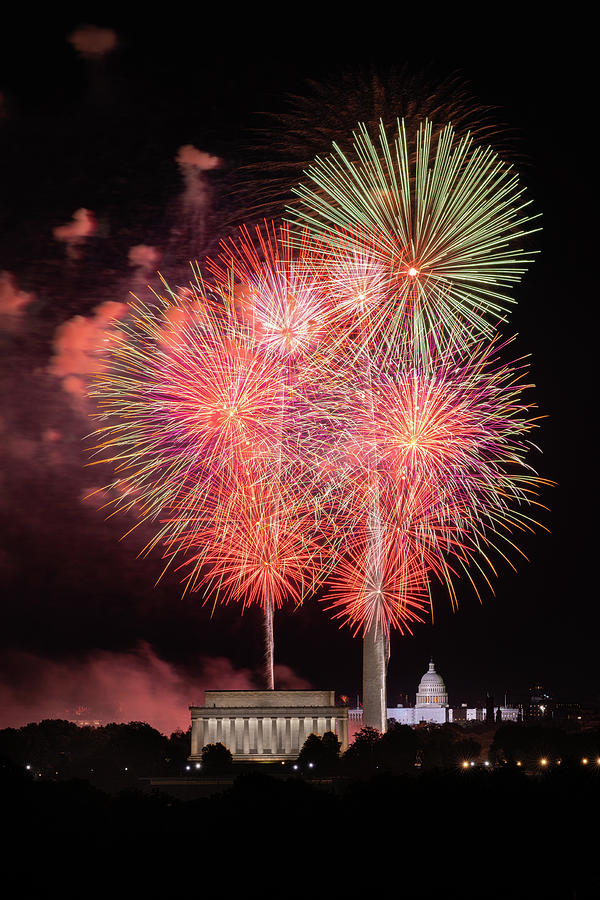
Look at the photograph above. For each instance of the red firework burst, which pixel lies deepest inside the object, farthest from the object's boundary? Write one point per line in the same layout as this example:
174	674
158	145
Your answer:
436	449
252	545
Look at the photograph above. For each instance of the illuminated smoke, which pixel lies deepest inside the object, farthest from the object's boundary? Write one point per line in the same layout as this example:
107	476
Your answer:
188	234
117	687
287	680
189	157
91	41
79	343
12	301
75	232
144	258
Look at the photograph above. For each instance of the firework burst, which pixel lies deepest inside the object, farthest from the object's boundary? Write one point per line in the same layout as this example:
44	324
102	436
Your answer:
252	545
277	290
447	216
328	110
439	478
389	593
319	409
214	417
186	397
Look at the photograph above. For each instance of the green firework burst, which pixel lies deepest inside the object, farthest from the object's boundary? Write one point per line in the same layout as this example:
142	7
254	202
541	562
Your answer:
447	217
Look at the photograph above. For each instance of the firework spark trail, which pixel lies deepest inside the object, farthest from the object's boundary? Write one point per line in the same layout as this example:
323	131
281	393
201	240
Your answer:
213	416
418	246
203	409
277	288
258	546
324	403
446	224
356	281
394	598
277	291
178	408
329	110
440	461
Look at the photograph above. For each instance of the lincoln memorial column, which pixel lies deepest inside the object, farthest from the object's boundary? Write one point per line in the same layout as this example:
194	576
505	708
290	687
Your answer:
239	735
295	726
267	733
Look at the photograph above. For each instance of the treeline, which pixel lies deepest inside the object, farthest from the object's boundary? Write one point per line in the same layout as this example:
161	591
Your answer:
114	755
402	750
530	745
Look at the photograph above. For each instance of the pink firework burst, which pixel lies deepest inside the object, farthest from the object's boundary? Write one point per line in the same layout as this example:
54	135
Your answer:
439	477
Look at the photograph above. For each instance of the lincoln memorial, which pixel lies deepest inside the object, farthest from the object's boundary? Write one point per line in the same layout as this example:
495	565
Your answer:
265	725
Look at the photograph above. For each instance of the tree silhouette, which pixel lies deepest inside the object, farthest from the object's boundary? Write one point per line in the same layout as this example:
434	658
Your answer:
216	759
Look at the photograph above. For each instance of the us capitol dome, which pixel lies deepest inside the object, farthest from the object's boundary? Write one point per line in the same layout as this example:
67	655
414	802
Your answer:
432	690
431	706
431	702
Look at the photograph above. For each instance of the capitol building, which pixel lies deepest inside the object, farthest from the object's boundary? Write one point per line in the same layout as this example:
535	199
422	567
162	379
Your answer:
431	702
432	707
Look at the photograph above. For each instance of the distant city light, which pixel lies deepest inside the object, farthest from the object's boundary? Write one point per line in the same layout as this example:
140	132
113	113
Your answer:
465	765
584	761
543	762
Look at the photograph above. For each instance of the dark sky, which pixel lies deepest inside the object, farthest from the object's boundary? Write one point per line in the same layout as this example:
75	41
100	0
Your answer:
79	609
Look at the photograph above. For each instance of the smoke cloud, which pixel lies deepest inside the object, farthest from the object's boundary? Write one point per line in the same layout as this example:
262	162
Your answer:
12	300
79	343
118	687
111	687
74	233
287	680
91	41
143	257
188	234
189	157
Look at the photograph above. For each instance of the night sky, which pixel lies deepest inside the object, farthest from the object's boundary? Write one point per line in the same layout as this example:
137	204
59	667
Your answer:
83	624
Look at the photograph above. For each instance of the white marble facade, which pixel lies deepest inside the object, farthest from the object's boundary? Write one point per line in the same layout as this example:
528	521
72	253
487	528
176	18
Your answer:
265	725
